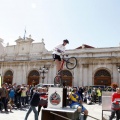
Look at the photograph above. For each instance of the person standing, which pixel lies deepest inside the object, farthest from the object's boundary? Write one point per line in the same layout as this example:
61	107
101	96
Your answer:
115	105
80	91
58	50
94	95
3	96
43	100
99	94
34	102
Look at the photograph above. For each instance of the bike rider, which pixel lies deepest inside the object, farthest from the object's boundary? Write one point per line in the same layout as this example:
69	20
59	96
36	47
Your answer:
57	52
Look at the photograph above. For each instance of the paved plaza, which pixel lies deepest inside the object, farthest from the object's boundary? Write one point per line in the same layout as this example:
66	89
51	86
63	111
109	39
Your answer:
19	114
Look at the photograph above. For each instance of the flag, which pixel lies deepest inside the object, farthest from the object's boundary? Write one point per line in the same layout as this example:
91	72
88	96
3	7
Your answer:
24	34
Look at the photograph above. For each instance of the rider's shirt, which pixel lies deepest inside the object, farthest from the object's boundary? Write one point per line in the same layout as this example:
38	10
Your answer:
59	49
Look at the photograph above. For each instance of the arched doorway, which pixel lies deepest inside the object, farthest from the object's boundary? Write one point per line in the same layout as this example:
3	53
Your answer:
33	77
66	77
102	77
8	77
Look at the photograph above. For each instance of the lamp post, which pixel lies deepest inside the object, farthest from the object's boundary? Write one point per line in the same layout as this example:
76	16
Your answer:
0	80
119	72
43	71
118	69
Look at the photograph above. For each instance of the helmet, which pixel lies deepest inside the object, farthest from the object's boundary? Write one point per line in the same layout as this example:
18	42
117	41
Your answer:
66	41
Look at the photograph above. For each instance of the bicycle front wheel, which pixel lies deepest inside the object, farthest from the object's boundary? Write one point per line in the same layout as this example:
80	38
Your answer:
71	63
57	81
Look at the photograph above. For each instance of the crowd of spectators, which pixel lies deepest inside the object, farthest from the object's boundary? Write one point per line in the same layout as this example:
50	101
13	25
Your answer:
14	96
19	96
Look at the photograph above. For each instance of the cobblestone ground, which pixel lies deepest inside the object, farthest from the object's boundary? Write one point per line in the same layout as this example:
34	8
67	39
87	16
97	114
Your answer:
19	114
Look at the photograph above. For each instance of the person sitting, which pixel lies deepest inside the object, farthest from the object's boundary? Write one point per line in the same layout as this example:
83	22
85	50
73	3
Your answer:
115	106
89	100
76	102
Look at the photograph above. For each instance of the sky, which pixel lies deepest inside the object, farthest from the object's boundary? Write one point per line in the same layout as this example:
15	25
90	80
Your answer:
92	22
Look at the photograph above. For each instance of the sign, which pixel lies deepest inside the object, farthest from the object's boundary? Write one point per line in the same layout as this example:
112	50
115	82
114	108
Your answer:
55	97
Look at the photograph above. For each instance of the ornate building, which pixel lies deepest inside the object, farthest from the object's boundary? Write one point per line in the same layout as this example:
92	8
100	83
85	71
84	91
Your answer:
20	64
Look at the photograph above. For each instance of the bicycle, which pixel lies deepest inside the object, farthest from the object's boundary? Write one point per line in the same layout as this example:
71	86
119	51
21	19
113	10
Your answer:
71	63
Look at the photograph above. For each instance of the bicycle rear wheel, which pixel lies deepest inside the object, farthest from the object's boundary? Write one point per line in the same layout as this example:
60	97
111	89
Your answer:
57	81
71	63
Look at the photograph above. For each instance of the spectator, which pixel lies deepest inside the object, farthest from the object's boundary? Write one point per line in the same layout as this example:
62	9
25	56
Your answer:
80	91
32	91
76	102
9	105
3	96
43	99
94	95
23	95
89	100
12	94
18	96
34	102
115	105
99	94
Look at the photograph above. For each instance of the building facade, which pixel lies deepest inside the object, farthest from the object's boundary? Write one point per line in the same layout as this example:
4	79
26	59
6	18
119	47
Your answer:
20	64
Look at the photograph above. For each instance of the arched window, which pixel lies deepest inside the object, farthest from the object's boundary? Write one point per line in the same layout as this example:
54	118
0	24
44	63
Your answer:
102	73
66	73
8	77
9	73
33	77
34	73
102	77
66	76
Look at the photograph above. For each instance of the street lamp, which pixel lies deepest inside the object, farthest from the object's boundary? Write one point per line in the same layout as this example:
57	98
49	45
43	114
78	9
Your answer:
43	71
119	69
0	80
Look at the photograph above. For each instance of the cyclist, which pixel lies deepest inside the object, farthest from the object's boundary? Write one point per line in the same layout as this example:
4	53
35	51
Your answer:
58	50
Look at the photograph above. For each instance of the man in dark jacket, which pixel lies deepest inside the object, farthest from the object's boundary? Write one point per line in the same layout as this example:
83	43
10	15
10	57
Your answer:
34	102
4	95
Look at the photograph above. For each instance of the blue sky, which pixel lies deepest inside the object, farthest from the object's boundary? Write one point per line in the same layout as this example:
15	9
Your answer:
92	22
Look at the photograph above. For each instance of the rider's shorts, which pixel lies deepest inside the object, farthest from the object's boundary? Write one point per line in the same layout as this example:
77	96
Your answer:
56	57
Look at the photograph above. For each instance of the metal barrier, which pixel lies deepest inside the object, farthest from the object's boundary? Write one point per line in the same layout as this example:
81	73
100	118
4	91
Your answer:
106	101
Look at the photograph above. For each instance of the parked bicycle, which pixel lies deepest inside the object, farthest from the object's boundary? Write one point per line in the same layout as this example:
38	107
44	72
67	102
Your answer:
71	63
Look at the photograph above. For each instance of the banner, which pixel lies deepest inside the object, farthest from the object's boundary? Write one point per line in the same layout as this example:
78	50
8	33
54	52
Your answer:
0	81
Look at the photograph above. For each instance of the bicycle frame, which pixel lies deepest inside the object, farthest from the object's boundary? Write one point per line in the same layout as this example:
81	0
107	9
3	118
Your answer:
62	63
58	80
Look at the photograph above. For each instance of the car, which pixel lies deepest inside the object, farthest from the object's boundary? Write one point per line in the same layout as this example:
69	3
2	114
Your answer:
103	87
109	88
48	85
45	85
